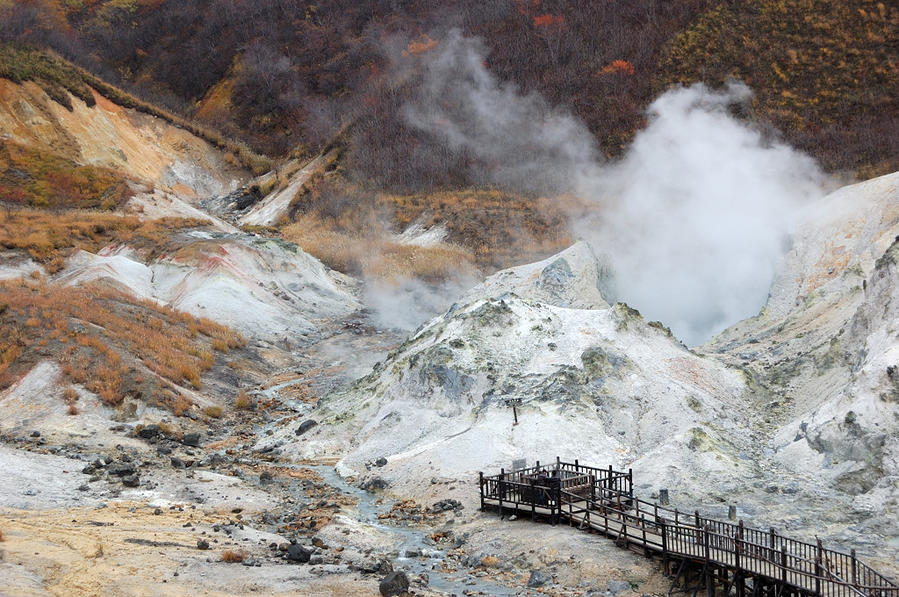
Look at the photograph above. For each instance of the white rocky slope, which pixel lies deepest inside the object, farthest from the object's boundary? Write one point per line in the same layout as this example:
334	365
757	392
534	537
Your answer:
572	279
265	289
598	384
826	347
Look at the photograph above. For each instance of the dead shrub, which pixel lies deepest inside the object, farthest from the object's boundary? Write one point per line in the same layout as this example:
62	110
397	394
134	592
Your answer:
213	412
233	557
243	401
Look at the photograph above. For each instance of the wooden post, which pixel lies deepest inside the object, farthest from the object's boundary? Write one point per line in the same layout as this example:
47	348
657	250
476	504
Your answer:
577	467
818	568
533	500
500	490
559	466
662	527
783	563
481	485
593	488
630	483
558	499
854	568
705	543
676	521
655	512
738	572
698	526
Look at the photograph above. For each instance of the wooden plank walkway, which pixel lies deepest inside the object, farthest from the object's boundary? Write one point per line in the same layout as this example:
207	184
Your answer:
602	500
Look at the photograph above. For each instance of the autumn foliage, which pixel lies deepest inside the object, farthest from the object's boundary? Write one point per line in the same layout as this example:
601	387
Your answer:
549	21
616	67
421	44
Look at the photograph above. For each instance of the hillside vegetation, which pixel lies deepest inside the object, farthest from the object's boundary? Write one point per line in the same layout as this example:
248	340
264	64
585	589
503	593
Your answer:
286	77
40	179
824	73
59	78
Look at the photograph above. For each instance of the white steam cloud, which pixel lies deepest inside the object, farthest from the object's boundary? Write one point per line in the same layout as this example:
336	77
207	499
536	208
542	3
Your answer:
693	219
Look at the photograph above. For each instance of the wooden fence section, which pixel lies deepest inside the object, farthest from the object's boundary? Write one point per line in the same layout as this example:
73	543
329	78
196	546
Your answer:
602	500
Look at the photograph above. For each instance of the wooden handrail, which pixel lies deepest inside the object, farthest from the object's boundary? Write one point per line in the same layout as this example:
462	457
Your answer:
808	566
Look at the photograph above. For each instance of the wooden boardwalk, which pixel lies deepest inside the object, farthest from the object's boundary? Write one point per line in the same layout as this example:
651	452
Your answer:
702	553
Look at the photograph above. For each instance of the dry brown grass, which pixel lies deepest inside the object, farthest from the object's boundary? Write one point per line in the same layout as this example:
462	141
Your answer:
350	229
233	557
48	237
213	412
373	252
106	341
243	401
70	397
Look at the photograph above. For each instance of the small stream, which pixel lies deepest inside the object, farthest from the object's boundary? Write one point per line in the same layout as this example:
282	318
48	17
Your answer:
411	539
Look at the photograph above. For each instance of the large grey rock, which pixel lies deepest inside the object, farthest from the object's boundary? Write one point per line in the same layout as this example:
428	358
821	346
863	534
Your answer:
395	583
537	579
298	553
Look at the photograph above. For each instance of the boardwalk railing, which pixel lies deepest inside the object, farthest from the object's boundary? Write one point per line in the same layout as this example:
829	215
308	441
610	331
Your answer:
602	500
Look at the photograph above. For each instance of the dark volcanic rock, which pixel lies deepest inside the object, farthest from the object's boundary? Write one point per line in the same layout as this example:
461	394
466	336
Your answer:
374	483
148	432
202	544
131	481
446	505
395	583
191	439
121	469
537	579
298	553
305	426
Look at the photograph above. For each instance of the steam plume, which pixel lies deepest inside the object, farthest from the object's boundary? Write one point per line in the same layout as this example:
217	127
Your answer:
693	219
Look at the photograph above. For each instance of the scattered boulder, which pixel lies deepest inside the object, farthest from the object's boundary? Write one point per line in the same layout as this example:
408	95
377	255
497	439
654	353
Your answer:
305	426
374	483
131	481
395	583
298	553
381	461
537	579
446	505
122	469
202	544
148	431
618	586
191	439
177	462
